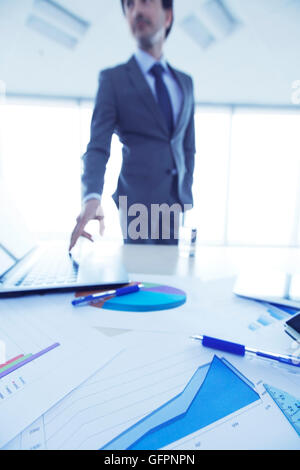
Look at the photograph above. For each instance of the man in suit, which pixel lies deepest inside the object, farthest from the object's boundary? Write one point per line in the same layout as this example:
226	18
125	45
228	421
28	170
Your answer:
150	105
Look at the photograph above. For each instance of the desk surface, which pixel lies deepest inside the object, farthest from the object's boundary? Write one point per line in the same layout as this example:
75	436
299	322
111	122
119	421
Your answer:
209	262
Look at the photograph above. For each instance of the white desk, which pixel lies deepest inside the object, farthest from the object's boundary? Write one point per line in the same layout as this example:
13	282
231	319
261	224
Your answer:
209	262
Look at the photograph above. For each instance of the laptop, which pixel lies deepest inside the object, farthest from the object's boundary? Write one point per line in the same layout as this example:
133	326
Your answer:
27	267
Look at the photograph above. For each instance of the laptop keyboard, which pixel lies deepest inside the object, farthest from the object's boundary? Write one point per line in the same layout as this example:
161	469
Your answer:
50	271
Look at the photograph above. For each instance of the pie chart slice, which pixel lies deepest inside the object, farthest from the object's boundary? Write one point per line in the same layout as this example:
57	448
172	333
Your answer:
151	297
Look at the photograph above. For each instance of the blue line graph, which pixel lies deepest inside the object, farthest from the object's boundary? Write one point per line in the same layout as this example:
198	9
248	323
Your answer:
215	391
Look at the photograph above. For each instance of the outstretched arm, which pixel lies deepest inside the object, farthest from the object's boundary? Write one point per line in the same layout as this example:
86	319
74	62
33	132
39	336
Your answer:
104	121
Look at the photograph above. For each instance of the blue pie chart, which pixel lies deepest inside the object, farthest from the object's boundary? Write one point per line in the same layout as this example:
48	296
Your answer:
151	297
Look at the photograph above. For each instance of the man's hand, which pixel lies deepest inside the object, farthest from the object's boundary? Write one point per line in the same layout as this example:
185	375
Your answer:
91	210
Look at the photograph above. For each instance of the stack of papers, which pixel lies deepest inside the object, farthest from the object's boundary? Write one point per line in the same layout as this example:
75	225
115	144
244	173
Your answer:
43	359
148	389
108	387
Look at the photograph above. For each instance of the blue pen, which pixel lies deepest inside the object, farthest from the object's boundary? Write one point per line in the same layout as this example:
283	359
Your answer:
240	350
94	298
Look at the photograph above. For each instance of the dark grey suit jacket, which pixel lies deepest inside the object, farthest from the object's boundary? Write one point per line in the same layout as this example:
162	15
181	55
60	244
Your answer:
151	157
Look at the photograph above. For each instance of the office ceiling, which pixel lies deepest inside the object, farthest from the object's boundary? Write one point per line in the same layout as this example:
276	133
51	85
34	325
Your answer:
256	64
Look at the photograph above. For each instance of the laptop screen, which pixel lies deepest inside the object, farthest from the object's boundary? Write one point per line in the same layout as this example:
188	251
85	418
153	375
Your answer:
273	286
15	238
6	261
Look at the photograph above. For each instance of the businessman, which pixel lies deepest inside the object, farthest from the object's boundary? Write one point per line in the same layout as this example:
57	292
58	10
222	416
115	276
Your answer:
150	105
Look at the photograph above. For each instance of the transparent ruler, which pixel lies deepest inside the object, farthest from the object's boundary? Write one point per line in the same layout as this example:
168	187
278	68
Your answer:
289	405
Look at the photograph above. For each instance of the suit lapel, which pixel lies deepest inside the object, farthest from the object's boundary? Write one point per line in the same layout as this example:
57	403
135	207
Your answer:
184	107
145	93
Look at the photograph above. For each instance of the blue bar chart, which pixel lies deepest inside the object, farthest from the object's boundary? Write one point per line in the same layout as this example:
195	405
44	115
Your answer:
40	350
20	361
273	313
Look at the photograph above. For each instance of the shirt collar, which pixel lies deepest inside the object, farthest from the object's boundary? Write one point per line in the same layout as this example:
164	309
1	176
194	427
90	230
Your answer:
146	61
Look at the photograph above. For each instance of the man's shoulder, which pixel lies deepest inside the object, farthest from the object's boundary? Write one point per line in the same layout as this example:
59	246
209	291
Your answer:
114	70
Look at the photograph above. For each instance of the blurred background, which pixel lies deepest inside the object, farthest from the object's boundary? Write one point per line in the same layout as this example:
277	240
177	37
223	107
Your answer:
244	58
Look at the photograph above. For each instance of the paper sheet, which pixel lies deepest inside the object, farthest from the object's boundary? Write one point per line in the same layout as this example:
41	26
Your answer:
63	355
142	379
211	309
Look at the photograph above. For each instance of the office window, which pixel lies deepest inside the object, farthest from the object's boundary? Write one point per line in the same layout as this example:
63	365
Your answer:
297	218
264	178
41	164
246	182
211	174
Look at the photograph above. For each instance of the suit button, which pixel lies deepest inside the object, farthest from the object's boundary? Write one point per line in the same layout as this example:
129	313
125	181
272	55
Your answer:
172	172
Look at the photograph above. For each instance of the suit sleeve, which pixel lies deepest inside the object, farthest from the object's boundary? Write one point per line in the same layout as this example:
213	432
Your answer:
103	124
189	140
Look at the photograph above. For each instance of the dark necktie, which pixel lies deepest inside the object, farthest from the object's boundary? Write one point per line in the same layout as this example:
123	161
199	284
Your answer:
163	96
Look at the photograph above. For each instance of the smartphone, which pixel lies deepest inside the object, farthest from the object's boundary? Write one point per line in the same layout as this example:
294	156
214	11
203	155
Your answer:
292	327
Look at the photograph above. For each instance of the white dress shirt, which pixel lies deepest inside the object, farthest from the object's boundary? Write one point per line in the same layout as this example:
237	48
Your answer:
146	62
